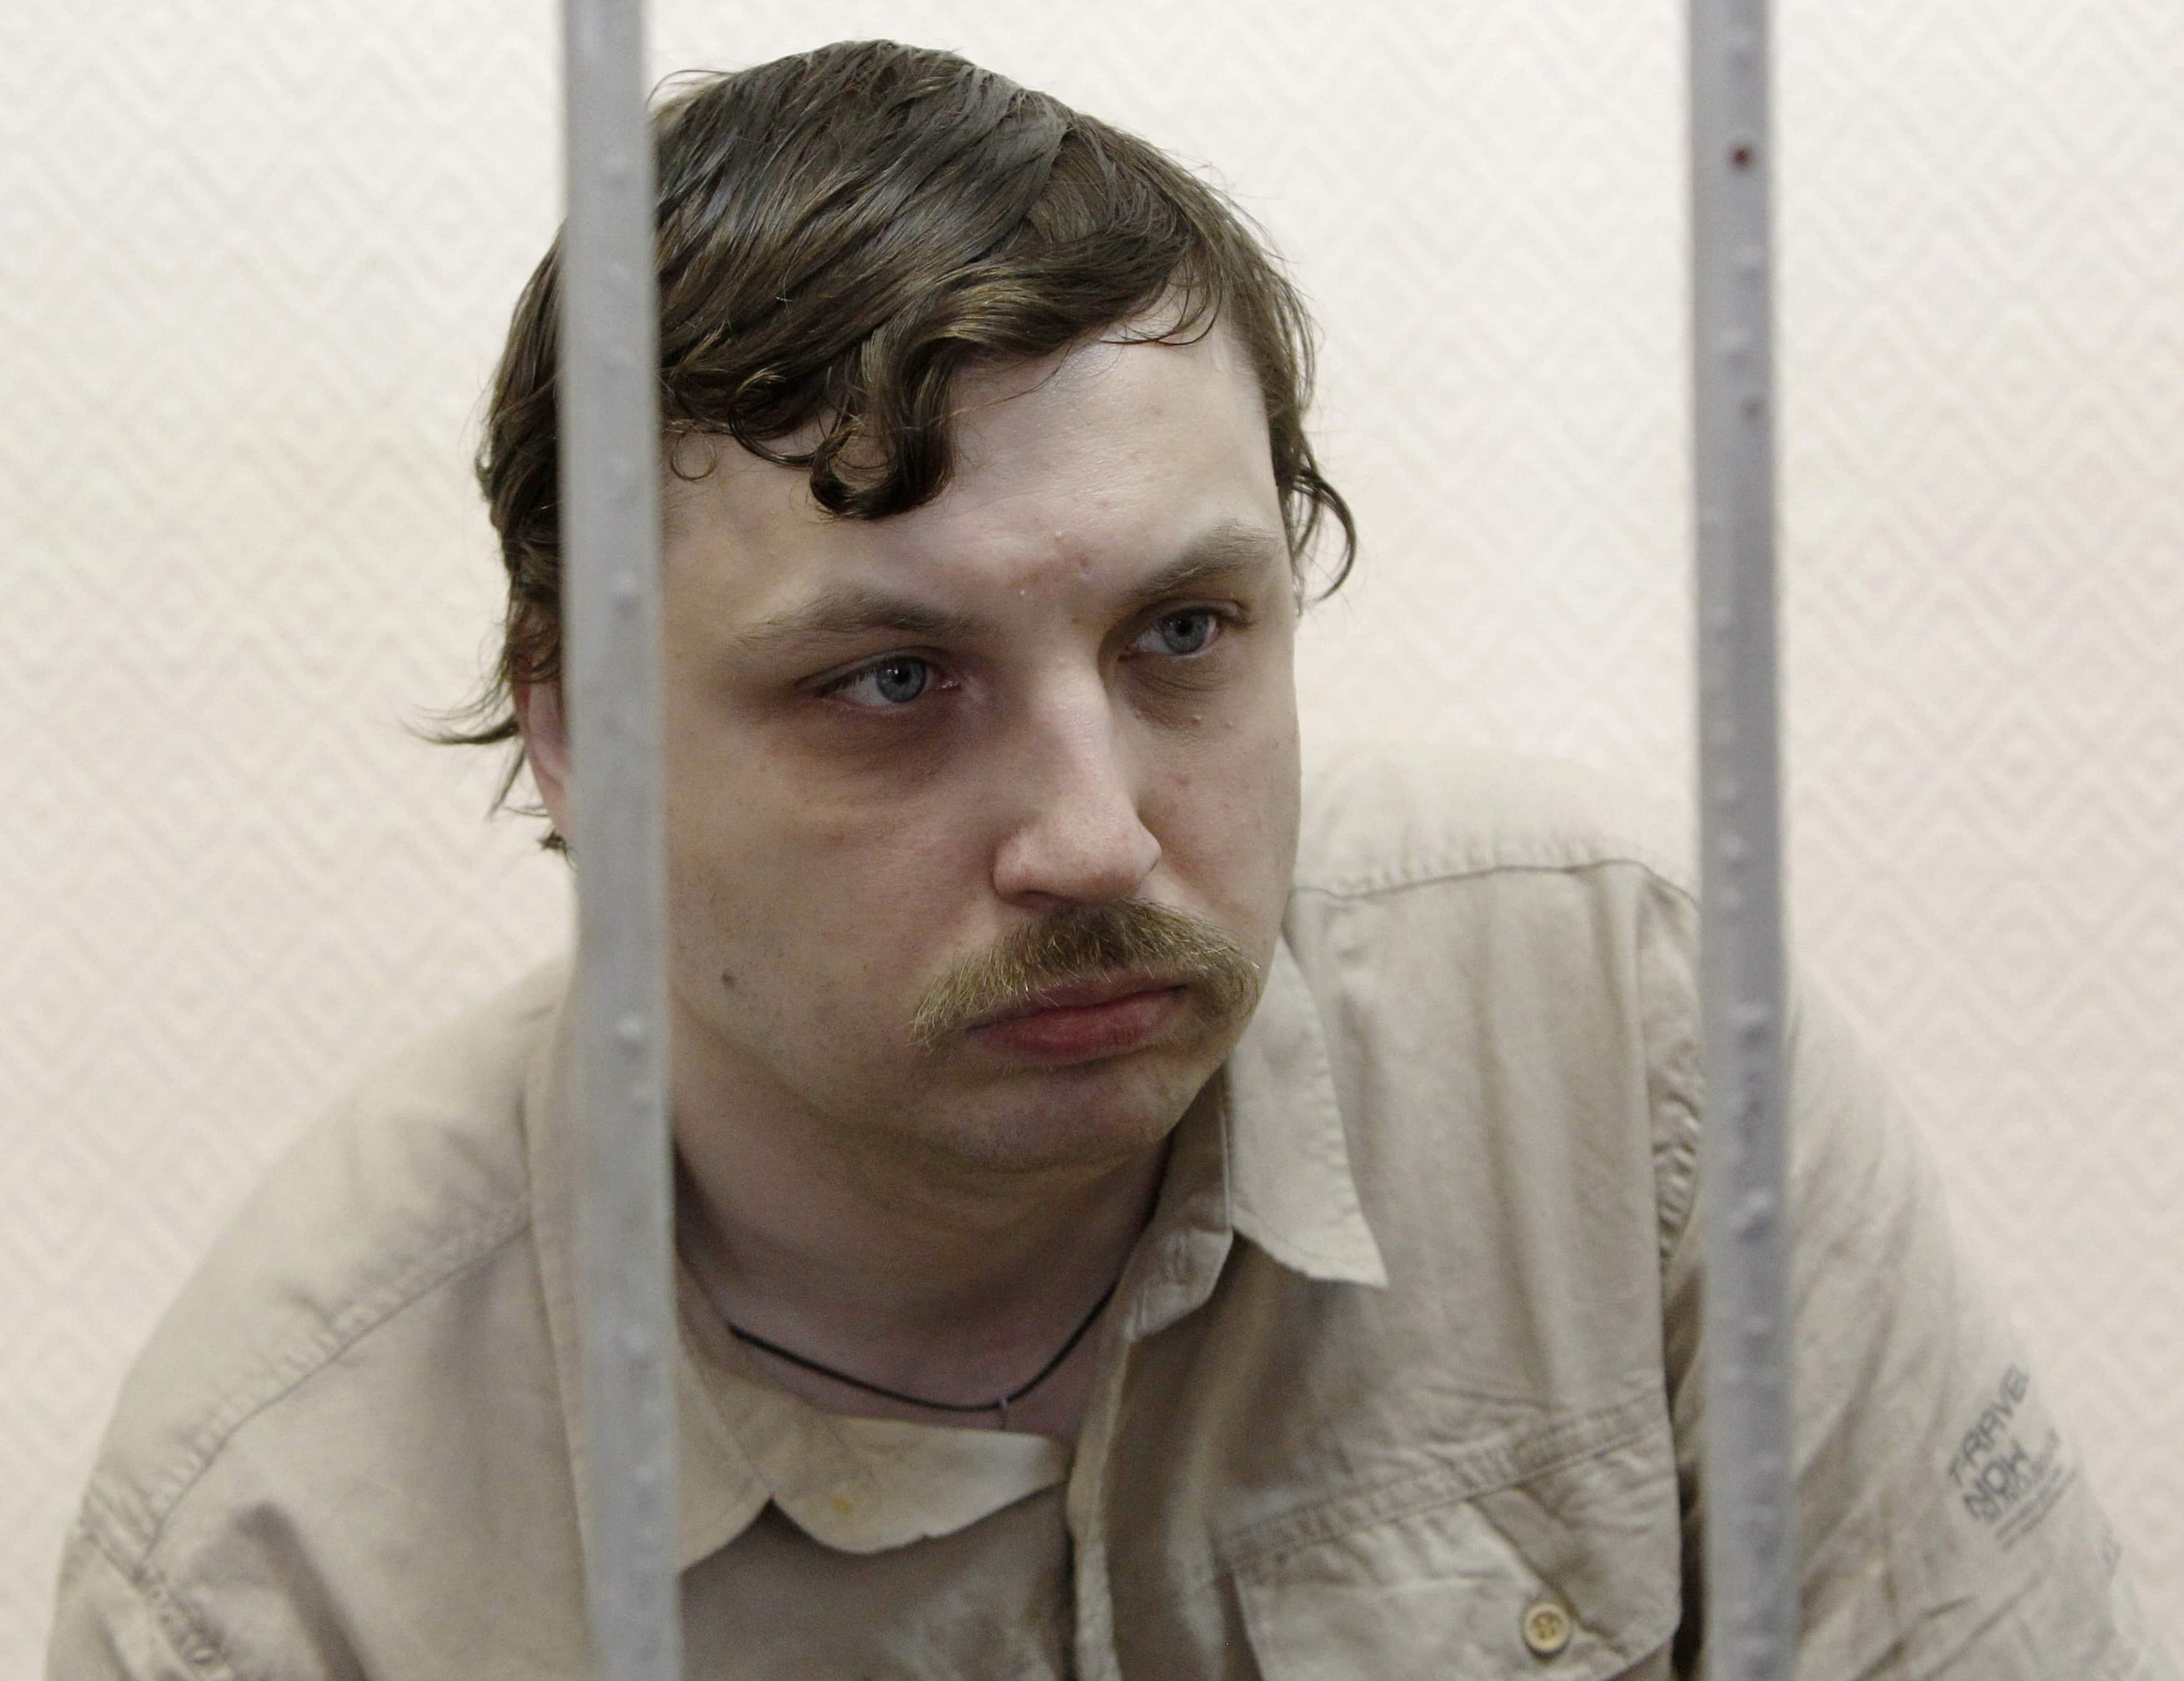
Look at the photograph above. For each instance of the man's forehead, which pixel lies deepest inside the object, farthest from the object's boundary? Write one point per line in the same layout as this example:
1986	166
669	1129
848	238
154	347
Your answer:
997	407
1114	459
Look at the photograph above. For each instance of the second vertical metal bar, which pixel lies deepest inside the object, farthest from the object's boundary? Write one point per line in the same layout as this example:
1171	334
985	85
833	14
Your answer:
1752	1609
610	482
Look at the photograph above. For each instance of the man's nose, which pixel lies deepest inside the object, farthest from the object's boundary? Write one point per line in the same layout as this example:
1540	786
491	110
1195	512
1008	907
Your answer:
1076	837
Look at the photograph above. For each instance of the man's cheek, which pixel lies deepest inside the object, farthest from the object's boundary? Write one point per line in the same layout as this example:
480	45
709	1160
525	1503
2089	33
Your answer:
1237	814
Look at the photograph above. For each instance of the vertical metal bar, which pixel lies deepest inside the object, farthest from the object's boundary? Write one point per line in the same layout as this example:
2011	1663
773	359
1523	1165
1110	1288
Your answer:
609	450
1752	1616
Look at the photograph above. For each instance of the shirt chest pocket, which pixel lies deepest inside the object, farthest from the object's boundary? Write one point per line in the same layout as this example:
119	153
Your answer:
1570	1573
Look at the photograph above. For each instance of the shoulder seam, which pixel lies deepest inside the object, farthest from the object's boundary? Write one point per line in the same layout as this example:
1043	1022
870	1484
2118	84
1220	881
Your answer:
1375	883
189	1639
301	1359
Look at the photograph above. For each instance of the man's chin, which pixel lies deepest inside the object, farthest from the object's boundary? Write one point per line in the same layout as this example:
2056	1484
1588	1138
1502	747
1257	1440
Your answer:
1080	1115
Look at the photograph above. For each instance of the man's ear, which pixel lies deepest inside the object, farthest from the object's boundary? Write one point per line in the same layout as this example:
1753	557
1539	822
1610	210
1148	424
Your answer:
546	747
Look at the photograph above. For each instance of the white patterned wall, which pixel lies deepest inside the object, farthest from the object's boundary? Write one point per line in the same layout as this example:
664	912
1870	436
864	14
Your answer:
255	261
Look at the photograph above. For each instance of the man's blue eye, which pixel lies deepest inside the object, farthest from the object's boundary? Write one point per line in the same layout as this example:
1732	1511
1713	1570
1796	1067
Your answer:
1186	632
896	680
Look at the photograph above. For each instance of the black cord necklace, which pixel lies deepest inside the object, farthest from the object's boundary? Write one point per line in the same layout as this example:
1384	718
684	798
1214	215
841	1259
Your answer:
1000	1406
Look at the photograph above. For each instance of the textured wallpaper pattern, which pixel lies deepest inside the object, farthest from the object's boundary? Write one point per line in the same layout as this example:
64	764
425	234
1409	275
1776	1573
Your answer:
255	258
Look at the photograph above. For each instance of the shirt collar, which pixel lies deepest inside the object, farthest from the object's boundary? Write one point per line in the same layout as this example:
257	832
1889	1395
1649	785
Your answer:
1263	1153
859	1485
1290	1188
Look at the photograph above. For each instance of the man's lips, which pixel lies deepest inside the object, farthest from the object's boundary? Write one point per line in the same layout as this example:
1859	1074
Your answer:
1085	1019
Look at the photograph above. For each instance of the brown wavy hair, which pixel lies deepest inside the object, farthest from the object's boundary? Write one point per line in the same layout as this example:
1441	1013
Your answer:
840	233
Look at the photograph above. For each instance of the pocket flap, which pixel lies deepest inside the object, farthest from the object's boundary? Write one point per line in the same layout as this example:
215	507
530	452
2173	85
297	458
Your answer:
1574	1574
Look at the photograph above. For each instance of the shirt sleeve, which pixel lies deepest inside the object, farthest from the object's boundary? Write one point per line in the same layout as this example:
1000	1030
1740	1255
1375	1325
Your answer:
109	1627
1946	1528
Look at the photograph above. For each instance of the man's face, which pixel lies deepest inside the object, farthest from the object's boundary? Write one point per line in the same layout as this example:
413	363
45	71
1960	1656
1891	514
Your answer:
897	751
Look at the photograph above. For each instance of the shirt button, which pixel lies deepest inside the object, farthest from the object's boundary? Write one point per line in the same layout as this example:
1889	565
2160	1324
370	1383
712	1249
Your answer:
1547	1627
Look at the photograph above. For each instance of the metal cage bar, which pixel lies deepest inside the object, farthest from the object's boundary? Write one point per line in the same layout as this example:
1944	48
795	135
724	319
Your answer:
608	400
1750	1562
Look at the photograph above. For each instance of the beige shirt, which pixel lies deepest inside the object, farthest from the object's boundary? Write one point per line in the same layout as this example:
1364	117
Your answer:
1403	1379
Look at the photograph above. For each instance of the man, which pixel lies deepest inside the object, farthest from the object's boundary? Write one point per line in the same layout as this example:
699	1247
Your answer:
1132	1220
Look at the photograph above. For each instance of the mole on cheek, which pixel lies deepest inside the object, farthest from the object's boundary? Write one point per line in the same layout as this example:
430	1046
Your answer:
727	980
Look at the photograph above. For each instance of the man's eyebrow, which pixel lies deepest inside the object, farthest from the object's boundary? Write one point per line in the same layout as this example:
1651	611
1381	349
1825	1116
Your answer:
848	611
853	610
1227	549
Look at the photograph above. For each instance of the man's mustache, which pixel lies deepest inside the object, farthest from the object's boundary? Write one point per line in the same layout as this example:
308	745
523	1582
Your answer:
1089	943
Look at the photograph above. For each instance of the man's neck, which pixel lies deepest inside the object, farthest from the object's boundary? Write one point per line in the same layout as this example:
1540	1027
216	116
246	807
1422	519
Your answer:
936	1278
